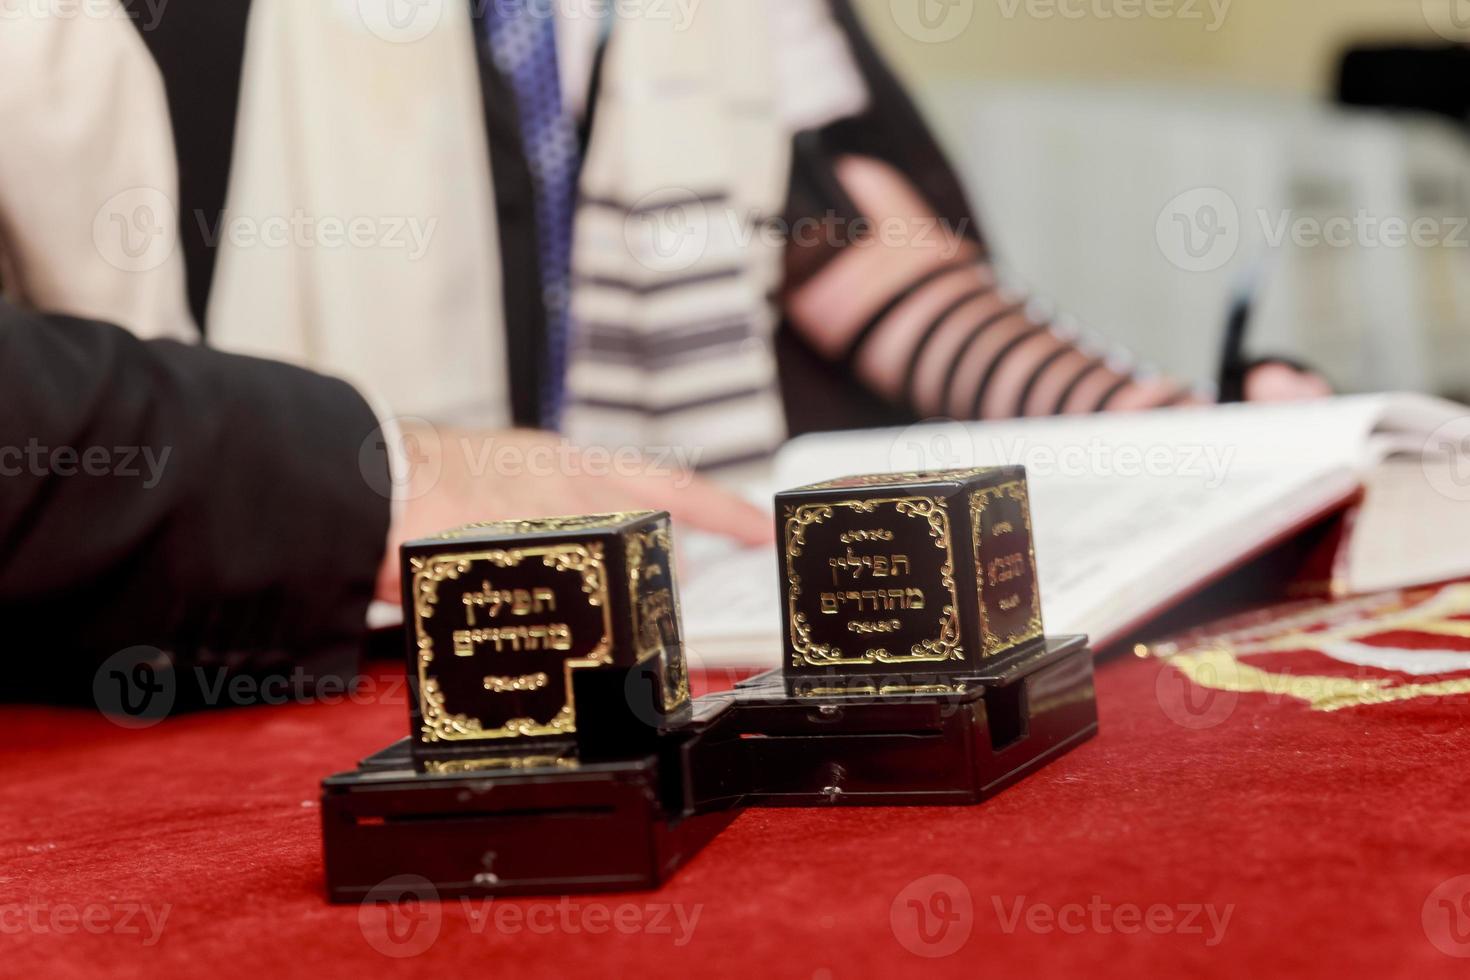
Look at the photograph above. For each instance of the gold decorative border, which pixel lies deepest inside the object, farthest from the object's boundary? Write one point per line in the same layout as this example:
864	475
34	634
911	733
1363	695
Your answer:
533	525
439	725
883	479
945	646
869	690
443	766
979	500
638	541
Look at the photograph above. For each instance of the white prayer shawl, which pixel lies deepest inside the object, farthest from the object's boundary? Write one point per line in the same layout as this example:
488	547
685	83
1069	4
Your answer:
675	255
360	235
88	179
342	118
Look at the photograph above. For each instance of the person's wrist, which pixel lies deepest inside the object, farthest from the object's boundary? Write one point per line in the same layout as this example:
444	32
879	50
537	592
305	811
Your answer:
413	464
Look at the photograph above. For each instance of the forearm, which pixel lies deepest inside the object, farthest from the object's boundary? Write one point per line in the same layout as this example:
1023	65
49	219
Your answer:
932	329
231	512
917	313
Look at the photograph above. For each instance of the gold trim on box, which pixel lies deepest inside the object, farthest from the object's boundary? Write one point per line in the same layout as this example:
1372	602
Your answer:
979	500
644	648
534	525
868	690
945	646
439	724
446	766
898	479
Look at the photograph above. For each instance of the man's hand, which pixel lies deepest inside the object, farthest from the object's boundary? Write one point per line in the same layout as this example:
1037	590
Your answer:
1278	382
456	477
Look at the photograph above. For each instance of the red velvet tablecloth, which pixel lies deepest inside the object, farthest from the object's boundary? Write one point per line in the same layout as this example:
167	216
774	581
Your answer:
1219	825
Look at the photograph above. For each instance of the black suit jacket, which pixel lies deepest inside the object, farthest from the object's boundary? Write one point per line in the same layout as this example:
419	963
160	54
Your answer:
226	511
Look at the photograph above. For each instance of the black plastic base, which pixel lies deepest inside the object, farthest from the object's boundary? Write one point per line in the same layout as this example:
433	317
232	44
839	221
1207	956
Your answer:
559	822
931	740
548	823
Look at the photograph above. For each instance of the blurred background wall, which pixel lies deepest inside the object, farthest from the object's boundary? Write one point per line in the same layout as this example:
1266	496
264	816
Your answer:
1138	163
1271	45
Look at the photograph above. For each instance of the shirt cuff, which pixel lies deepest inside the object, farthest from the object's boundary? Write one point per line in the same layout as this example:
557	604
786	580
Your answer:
384	614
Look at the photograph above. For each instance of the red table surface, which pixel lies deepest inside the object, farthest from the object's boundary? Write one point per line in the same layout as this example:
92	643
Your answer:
1333	842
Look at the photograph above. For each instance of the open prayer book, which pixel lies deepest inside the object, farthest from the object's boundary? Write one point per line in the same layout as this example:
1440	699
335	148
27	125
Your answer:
1134	512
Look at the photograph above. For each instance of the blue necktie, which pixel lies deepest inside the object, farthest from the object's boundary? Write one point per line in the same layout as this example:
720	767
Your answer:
523	46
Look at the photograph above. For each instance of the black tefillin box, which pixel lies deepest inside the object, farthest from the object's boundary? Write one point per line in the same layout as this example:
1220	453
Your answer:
553	743
552	731
916	668
501	632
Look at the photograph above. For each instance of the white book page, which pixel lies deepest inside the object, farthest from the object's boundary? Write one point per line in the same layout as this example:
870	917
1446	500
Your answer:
1130	511
1113	553
1109	553
1413	527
